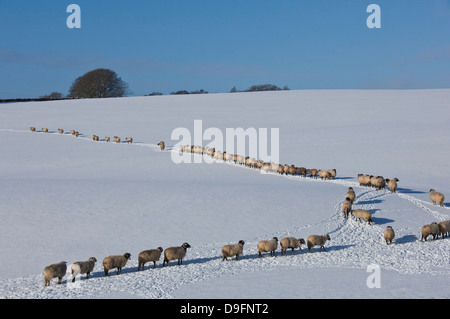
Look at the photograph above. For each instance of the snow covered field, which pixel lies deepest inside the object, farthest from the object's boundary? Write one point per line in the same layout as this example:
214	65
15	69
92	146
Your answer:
68	198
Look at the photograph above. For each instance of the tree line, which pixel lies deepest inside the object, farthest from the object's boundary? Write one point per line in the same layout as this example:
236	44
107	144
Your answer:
104	83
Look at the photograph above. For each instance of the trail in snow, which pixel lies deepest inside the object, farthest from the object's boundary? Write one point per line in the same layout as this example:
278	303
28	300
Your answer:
353	244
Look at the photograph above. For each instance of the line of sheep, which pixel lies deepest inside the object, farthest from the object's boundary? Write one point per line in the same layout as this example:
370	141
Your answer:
259	164
435	229
59	270
94	137
117	139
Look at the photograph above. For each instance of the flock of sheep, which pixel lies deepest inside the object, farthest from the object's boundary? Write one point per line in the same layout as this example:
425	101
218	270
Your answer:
270	246
59	270
259	164
435	229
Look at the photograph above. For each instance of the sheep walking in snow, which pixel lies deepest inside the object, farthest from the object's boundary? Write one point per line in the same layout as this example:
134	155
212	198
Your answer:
443	228
32	129
118	262
265	246
350	194
233	250
61	131
364	180
378	182
392	184
362	214
430	229
347	207
149	255
291	242
436	197
161	145
55	271
107	138
332	173
324	174
45	130
317	240
175	253
129	139
389	235
83	267
95	138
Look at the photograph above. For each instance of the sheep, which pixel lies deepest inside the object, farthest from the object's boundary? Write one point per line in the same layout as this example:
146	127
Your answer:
149	255
333	173
45	130
350	194
32	129
301	171
76	133
313	172
161	145
280	169
362	214
436	197
72	132
266	167
54	271
274	167
218	155
389	235
61	131
240	160
268	246
285	169
317	240
227	156
117	139
107	138
347	207
118	262
129	139
233	250
378	182
443	229
292	170
173	253
430	229
392	184
83	267
95	137
324	174
290	242
364	180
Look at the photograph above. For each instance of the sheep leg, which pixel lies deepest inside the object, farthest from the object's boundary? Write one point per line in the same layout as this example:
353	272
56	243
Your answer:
292	251
154	265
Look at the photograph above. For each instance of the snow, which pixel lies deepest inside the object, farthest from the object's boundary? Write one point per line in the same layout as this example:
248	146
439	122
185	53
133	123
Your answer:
68	198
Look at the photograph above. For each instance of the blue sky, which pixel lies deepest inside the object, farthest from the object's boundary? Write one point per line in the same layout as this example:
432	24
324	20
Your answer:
172	45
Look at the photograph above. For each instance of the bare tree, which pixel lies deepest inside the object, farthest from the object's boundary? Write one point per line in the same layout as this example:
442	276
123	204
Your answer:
99	83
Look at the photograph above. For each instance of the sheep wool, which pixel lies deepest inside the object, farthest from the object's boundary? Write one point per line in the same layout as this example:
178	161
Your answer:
268	246
291	242
317	240
233	250
177	253
389	235
436	197
83	267
118	262
149	255
55	271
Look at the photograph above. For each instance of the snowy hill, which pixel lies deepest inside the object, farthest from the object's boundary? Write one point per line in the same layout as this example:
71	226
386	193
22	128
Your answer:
70	198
